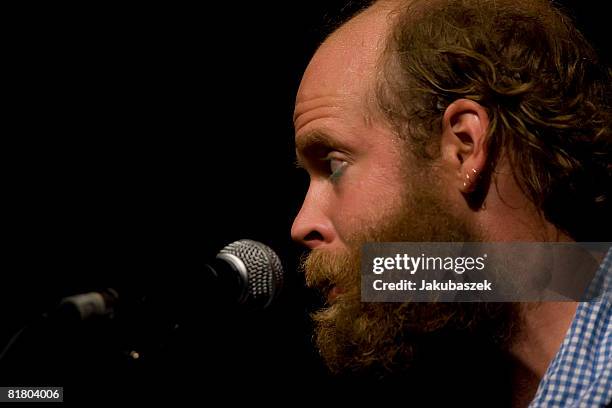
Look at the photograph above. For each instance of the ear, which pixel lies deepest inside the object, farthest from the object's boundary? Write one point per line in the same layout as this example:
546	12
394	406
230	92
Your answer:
464	129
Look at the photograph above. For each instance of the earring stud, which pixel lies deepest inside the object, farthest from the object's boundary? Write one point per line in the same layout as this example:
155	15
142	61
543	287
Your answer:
470	179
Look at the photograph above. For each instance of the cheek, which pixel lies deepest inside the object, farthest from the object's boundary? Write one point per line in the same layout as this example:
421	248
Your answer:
367	199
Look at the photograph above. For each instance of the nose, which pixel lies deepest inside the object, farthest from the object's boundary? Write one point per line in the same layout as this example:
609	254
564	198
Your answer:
312	227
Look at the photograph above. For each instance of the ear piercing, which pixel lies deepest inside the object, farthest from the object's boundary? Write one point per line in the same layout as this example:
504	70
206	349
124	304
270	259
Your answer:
470	179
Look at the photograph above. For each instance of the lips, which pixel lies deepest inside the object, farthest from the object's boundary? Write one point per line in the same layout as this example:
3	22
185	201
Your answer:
333	294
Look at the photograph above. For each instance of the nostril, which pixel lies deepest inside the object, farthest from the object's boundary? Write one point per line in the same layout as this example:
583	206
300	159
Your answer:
313	236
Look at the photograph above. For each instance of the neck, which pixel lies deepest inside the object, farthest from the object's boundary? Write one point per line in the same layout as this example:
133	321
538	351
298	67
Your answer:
544	326
509	216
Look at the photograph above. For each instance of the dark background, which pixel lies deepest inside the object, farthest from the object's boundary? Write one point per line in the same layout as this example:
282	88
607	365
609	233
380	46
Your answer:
139	142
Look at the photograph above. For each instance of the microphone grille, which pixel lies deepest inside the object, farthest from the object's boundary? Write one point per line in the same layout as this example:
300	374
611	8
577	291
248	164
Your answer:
264	271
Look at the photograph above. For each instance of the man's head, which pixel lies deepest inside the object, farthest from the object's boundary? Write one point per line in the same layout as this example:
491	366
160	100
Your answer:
546	99
398	124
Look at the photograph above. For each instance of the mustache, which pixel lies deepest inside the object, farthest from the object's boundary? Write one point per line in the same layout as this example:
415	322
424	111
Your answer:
323	270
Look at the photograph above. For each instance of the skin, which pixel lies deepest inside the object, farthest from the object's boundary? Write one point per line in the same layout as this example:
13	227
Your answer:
330	100
363	154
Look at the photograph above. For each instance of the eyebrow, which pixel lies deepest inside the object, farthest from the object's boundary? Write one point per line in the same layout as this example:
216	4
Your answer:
315	138
309	142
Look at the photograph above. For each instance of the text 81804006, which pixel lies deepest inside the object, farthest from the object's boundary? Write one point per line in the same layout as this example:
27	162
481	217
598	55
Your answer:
31	394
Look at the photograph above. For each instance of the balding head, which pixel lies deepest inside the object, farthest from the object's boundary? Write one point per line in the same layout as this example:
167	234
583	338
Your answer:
344	66
335	133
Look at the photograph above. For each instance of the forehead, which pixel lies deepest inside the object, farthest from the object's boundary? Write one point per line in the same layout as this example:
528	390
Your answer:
344	65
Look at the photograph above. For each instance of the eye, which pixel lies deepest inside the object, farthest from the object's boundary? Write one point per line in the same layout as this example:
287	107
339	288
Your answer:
336	167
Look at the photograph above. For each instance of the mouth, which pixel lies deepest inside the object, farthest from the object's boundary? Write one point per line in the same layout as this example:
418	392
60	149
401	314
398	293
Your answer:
333	294
326	288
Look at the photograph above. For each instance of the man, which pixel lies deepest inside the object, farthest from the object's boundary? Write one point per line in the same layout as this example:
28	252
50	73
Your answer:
458	121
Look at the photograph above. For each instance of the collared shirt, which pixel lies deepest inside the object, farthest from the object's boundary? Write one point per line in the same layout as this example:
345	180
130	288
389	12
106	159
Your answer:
580	375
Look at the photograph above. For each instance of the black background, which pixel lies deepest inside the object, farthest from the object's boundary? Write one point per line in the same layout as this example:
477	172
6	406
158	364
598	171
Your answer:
137	143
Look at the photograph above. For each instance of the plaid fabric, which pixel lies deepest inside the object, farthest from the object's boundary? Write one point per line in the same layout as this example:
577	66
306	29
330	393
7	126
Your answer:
580	375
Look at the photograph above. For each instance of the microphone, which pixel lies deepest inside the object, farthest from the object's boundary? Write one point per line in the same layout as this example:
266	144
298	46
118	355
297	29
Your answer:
248	273
245	272
88	305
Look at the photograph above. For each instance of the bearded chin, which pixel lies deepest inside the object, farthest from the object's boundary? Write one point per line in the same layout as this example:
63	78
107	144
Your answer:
355	338
386	338
382	338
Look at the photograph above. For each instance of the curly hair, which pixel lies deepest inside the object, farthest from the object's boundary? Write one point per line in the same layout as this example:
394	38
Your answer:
546	94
